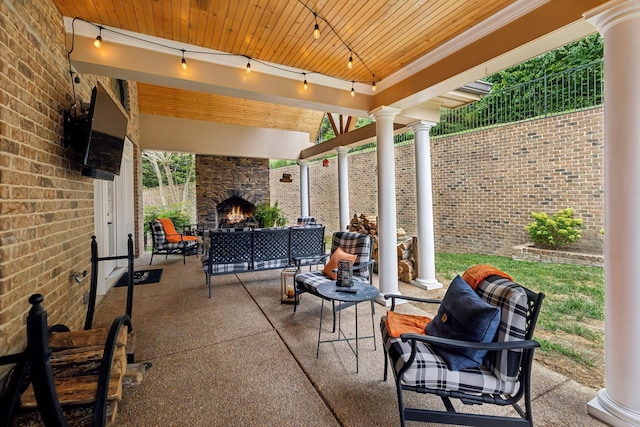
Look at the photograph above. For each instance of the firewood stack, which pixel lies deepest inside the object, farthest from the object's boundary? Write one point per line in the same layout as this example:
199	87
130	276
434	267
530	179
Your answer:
406	260
368	224
75	360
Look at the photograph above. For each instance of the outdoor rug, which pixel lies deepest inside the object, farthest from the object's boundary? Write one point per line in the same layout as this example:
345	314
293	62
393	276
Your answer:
141	277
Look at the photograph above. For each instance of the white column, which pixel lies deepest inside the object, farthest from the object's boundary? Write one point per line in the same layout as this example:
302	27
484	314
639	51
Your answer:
304	187
424	200
343	187
387	226
618	404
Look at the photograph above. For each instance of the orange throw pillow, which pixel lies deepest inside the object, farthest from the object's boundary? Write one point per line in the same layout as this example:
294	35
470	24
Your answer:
338	254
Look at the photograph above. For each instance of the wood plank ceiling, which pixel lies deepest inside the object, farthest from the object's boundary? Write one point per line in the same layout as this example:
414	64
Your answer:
384	36
171	102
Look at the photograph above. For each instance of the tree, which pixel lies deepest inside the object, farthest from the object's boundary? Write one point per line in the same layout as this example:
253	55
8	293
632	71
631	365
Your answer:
173	170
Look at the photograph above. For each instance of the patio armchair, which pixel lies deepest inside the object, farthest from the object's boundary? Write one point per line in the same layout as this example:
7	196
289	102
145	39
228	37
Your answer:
355	244
491	365
166	240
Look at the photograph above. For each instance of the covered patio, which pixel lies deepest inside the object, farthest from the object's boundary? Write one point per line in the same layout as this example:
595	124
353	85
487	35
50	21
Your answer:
243	358
247	79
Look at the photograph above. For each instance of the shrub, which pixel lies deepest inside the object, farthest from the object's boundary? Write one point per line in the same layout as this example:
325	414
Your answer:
178	218
555	232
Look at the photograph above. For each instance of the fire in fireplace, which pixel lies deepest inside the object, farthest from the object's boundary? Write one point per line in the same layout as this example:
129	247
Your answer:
235	211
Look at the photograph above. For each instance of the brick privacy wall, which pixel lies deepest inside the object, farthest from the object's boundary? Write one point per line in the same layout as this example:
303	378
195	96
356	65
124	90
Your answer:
46	205
220	177
485	184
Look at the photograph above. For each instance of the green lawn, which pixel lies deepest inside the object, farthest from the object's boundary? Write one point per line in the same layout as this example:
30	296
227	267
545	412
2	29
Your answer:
571	321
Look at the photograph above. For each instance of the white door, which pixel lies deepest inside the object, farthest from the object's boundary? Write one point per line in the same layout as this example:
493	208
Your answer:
114	219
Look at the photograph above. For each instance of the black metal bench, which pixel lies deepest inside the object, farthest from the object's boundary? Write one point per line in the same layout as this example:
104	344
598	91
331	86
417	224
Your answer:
231	251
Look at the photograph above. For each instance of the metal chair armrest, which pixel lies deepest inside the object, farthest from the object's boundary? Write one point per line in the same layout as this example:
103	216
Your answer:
491	346
409	298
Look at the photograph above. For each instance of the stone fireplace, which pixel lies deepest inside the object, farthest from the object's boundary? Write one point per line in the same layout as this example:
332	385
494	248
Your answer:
228	188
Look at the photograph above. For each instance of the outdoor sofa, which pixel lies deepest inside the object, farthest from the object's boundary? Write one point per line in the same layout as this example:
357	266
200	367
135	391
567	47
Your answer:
231	251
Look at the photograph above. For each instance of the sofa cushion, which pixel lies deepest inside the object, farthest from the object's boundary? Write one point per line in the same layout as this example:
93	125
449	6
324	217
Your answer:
464	316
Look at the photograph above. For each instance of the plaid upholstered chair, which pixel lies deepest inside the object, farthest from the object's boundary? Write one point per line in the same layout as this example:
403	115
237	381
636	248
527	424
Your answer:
166	240
495	371
355	244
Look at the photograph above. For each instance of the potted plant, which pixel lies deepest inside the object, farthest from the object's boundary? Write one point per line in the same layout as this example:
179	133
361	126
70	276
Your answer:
269	216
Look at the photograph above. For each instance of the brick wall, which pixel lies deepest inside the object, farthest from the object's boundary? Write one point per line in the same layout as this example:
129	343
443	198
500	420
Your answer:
46	205
219	177
485	183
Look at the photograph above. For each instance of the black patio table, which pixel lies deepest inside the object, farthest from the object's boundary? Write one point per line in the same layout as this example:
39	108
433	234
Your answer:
347	297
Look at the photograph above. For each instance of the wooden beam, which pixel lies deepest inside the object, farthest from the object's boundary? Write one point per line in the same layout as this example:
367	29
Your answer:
354	138
336	132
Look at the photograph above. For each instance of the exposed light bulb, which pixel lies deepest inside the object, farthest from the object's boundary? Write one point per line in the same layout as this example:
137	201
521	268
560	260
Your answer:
373	86
350	63
316	28
98	42
305	84
353	91
184	61
248	67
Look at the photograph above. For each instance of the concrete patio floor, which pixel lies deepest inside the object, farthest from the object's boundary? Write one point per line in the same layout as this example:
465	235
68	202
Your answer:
242	358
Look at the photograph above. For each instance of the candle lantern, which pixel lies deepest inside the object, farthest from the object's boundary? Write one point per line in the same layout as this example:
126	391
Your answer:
345	273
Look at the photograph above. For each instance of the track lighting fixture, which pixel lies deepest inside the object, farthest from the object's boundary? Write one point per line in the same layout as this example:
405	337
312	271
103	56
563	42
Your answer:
98	41
184	61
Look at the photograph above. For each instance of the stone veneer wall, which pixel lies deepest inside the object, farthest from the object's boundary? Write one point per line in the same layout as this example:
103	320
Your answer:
46	205
485	183
218	178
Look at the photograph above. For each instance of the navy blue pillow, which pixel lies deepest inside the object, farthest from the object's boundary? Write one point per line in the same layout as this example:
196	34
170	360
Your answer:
464	316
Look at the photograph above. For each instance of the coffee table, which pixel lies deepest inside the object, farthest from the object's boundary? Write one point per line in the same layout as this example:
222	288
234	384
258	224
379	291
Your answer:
360	292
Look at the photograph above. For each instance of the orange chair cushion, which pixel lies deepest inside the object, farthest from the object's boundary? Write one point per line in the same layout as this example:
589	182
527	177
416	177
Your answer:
337	255
398	324
170	232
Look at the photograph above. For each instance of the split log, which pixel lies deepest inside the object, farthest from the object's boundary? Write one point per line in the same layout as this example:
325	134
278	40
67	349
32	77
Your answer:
405	249
406	271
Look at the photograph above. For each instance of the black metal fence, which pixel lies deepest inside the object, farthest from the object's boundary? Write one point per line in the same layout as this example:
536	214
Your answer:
570	90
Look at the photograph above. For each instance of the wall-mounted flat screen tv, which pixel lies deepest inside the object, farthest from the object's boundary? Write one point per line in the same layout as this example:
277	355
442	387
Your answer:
105	133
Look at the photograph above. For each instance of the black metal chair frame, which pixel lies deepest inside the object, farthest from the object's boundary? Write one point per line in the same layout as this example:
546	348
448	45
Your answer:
182	249
450	415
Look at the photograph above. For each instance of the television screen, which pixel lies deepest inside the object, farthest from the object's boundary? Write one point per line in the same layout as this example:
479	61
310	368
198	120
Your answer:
107	127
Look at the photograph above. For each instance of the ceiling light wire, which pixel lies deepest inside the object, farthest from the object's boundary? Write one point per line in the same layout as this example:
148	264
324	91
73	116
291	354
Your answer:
208	53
